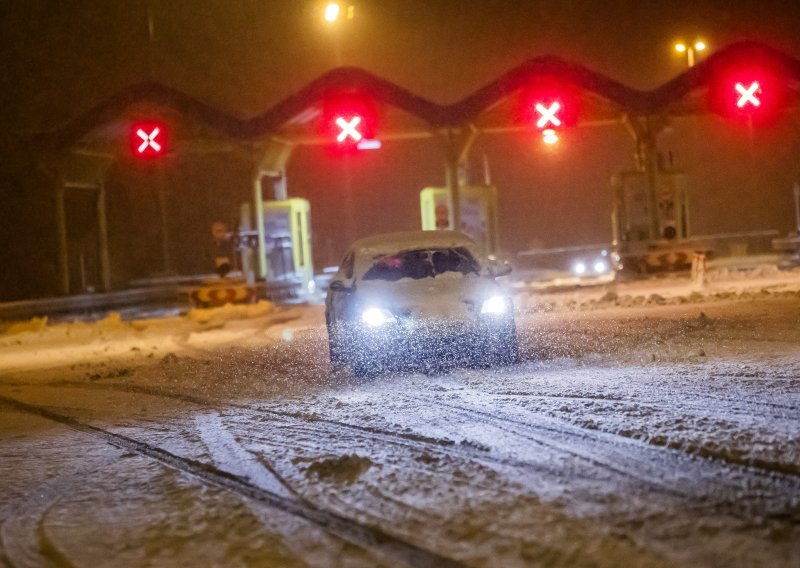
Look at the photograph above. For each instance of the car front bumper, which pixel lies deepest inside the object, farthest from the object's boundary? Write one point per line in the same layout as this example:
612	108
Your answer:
410	342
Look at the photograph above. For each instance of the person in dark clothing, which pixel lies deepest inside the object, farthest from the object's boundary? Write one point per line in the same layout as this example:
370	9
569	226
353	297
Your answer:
222	248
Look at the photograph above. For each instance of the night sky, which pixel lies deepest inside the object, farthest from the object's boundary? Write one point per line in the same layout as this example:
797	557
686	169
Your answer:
59	58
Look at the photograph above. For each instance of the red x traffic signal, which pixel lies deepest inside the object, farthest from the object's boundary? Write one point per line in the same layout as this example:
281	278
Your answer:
148	139
349	121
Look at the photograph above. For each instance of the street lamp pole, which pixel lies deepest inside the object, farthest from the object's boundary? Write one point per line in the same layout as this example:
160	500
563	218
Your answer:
797	205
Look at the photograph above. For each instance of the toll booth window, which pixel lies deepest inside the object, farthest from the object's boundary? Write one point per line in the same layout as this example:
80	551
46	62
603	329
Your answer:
419	264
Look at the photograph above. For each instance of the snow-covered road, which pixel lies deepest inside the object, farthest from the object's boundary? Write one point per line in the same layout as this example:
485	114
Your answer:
643	435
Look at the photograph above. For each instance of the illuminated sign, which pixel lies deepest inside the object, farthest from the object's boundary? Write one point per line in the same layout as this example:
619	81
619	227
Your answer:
755	88
748	94
148	140
547	114
349	129
349	121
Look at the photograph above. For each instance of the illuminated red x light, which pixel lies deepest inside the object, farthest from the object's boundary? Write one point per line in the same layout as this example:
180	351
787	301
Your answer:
548	115
148	139
349	129
748	95
149	142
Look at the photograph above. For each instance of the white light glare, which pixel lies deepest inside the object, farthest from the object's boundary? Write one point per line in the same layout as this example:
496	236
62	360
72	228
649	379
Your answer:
369	144
600	266
579	268
332	12
376	317
549	136
494	305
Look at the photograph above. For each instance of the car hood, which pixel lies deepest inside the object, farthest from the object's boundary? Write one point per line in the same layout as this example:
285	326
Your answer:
448	296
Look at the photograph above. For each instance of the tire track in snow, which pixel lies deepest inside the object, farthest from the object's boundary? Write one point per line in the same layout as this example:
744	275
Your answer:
696	450
224	449
23	533
765	466
603	445
361	535
545	437
672	404
624	464
46	544
410	440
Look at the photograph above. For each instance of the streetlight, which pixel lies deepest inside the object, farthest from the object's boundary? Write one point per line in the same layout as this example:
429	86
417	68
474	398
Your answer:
690	50
333	11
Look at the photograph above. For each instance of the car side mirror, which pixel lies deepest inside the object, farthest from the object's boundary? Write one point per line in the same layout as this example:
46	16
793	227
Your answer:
498	268
339	286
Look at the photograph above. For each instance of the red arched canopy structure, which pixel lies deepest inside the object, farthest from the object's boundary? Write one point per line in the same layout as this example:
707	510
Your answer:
604	98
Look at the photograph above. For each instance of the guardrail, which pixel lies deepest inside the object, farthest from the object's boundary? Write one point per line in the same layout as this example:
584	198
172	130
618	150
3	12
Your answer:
169	294
25	309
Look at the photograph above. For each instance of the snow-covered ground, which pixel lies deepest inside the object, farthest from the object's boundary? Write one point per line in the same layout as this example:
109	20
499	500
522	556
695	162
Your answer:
648	424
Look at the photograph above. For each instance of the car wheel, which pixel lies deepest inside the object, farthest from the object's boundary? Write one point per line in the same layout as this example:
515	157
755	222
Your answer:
334	347
502	348
364	367
509	354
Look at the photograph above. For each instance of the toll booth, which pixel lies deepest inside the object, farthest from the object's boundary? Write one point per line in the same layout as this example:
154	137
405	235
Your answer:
630	214
630	220
284	247
478	213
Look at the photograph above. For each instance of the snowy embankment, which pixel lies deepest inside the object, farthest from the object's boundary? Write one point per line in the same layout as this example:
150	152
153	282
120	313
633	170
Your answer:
35	344
720	285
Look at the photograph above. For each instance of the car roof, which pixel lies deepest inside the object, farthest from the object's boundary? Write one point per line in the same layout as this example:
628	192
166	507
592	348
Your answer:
389	243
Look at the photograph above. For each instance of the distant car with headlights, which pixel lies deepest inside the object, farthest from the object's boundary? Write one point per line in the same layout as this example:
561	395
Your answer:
422	298
599	267
566	267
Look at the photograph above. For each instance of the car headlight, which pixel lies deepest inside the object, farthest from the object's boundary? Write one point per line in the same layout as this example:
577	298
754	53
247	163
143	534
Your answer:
579	268
376	317
600	266
495	305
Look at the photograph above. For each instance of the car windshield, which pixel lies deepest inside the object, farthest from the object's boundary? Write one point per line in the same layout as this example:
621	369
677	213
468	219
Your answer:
422	263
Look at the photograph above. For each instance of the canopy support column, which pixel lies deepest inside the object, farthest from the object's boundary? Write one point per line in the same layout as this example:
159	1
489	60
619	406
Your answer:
80	172
102	229
645	131
61	232
458	144
269	162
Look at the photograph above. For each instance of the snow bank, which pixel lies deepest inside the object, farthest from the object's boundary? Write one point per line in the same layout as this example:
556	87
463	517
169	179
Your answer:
230	312
34	344
761	282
